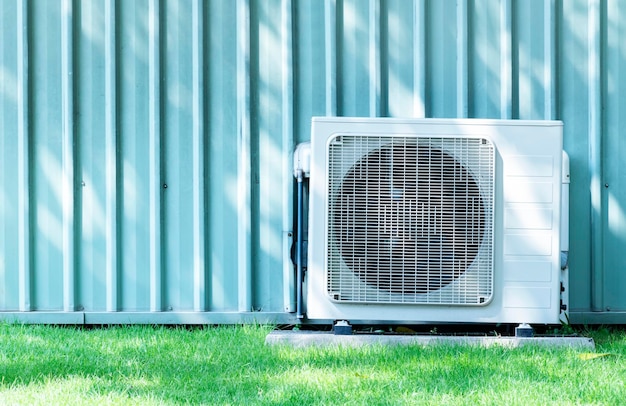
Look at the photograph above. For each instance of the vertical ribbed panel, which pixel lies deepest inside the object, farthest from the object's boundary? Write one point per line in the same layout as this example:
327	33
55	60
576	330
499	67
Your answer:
199	157
13	156
133	126
595	90
182	155
270	72
573	109
330	54
110	228
506	60
461	59
48	72
222	169
613	72
156	182
146	145
67	151
23	172
288	144
244	155
484	57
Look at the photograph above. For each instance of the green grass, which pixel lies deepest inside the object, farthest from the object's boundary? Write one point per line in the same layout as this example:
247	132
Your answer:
231	365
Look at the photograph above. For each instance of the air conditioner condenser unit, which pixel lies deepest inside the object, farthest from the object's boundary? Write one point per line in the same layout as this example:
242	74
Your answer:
434	220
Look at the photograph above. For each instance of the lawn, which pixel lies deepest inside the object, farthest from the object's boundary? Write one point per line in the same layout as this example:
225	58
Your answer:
232	365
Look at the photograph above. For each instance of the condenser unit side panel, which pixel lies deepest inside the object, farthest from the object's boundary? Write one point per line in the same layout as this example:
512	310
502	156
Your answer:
531	212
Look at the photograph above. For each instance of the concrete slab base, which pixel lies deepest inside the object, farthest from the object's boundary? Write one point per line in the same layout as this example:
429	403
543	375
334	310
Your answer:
301	338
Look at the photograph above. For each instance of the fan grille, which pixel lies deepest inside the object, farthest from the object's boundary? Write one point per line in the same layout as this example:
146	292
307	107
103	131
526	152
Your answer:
410	219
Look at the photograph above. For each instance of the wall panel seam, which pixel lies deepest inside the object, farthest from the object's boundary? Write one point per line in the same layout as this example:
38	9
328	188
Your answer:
461	60
330	52
23	157
419	58
110	89
156	186
68	185
288	69
506	68
199	262
594	66
244	238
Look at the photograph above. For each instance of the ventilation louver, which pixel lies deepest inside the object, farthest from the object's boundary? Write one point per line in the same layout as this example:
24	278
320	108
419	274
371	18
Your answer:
410	220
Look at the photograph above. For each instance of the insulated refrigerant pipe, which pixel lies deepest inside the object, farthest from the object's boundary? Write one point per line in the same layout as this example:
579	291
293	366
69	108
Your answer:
299	242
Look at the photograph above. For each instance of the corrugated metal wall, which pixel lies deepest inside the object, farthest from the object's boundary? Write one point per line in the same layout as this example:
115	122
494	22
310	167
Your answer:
145	145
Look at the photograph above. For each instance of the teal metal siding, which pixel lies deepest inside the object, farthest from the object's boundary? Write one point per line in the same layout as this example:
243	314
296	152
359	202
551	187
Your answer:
614	60
145	146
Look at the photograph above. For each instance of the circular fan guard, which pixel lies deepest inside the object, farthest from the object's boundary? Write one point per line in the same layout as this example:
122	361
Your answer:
408	219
